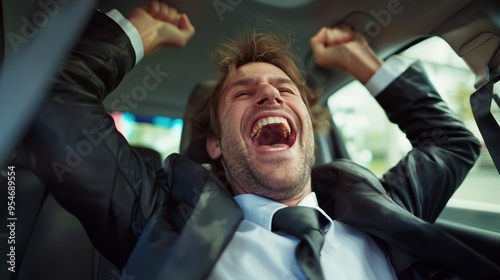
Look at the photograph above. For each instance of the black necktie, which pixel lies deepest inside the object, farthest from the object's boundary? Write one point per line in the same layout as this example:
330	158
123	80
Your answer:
303	223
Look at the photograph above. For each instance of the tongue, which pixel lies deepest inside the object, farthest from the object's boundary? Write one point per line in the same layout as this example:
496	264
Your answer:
272	135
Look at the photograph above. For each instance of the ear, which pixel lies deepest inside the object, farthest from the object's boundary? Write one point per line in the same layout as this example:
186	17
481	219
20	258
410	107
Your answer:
213	147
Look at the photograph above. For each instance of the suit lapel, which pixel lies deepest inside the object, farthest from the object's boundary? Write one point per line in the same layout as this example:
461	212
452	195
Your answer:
353	195
207	215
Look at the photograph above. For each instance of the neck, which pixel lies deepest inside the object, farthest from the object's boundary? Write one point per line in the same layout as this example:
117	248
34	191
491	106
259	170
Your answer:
292	201
298	198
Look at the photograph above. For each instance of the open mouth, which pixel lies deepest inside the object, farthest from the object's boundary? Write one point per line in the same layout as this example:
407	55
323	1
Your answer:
272	134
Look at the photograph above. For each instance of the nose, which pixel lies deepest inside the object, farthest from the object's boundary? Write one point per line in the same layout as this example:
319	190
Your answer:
268	95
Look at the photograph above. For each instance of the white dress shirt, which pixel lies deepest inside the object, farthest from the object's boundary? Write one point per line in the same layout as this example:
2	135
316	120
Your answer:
255	252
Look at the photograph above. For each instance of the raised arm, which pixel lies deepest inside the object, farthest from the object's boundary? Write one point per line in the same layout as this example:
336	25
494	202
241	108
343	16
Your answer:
73	145
159	24
342	48
443	149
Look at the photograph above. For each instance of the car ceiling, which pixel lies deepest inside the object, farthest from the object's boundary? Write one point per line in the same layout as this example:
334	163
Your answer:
471	27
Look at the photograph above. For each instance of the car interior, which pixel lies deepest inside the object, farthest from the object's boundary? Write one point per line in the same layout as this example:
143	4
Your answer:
51	243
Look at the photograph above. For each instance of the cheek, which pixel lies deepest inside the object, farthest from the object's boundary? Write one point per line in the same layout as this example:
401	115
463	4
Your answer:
303	113
230	122
307	116
224	119
306	123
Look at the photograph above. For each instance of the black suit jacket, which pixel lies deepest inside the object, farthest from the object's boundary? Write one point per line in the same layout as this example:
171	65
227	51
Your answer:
176	220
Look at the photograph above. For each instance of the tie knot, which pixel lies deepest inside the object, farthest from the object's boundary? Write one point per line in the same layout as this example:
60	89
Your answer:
304	223
298	220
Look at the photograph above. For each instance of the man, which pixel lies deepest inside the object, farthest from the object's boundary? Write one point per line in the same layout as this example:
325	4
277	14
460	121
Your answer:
179	223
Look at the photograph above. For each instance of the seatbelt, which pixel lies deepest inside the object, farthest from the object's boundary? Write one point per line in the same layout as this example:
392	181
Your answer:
488	126
27	76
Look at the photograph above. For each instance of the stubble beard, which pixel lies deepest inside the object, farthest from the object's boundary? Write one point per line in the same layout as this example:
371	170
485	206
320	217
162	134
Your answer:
248	177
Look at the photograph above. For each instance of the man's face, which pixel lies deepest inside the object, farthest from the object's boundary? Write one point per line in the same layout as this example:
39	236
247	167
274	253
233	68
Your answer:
267	141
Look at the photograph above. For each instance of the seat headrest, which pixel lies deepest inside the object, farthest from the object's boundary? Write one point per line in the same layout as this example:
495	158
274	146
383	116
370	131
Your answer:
193	138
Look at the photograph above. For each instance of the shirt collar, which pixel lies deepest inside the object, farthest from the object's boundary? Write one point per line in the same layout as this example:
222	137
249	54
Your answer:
260	210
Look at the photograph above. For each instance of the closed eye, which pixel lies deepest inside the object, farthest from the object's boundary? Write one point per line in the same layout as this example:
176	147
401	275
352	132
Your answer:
286	90
241	94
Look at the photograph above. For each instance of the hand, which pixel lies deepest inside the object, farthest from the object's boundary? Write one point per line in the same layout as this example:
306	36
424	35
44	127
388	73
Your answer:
341	47
161	25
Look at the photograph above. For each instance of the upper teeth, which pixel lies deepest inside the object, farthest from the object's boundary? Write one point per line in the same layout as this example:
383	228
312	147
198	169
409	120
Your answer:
257	128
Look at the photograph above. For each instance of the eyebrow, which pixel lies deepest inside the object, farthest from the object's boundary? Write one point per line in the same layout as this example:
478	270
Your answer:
250	80
281	81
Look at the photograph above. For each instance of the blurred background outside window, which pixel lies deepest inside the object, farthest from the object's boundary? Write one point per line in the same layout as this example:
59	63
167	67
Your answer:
162	134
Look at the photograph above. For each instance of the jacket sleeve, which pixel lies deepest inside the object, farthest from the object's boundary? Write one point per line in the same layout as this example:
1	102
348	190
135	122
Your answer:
443	149
74	147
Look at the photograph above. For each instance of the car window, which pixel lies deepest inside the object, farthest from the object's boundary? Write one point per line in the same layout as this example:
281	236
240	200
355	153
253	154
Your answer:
162	134
377	144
